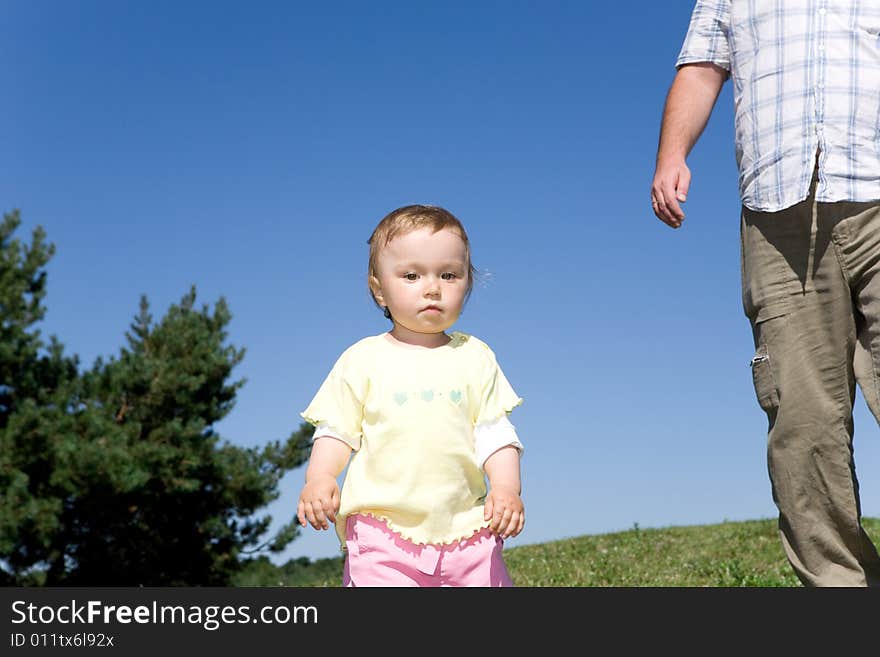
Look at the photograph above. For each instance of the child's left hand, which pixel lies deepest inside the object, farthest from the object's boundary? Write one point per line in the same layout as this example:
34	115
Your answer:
505	510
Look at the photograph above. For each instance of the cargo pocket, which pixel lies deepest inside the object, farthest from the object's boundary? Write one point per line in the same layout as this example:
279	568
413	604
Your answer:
765	382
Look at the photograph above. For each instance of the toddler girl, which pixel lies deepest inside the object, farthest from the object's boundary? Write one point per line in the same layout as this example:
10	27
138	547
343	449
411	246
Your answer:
425	413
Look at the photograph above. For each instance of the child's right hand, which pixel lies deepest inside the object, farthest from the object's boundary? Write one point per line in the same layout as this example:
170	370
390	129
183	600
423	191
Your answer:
318	502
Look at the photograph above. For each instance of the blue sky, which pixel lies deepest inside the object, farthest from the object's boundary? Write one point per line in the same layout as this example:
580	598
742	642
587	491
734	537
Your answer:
250	148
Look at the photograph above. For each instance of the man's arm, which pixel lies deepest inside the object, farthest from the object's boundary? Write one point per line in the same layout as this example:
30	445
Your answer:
689	104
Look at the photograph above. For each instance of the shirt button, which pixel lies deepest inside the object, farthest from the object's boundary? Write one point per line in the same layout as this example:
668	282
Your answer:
822	11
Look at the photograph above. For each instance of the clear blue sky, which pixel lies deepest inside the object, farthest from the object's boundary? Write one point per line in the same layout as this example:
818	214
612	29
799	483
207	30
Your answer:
250	148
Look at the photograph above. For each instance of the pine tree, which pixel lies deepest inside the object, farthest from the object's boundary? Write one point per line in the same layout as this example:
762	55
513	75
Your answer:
116	476
36	386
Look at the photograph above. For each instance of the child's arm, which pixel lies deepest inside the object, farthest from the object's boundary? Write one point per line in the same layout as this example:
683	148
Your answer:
319	499
503	503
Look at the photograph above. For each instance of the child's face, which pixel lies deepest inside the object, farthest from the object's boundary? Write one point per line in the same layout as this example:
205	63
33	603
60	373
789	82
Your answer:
422	279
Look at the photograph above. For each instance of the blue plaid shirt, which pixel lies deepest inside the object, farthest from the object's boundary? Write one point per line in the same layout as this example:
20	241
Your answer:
806	77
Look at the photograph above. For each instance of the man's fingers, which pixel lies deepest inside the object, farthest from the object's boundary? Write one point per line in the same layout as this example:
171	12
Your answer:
658	203
670	187
673	209
684	182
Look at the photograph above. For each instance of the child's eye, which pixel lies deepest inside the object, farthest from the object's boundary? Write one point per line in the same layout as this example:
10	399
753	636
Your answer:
448	276
411	276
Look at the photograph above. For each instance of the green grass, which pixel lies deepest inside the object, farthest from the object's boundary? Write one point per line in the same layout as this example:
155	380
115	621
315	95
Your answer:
724	555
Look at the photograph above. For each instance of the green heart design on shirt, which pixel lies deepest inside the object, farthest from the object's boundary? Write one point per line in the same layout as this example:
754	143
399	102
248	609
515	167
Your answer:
427	395
455	396
400	398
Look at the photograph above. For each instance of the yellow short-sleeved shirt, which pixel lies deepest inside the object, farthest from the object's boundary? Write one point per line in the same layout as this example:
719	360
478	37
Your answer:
409	413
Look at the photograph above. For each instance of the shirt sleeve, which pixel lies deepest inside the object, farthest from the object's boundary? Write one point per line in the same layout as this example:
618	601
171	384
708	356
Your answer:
338	406
707	35
324	431
492	436
497	397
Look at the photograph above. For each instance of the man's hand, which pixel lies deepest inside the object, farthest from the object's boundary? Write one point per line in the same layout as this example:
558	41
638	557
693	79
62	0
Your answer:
669	189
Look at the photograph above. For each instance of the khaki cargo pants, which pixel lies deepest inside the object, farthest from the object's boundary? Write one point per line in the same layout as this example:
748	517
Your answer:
811	289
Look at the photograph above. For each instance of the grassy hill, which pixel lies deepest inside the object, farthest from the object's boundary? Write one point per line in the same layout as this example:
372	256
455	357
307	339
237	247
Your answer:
727	554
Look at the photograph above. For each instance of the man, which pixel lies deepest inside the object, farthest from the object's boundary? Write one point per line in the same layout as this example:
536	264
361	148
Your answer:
806	87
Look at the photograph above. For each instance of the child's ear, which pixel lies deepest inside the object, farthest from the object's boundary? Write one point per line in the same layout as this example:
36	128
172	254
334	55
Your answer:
376	289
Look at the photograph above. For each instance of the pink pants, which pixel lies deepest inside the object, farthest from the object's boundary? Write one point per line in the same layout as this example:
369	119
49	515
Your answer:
376	556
